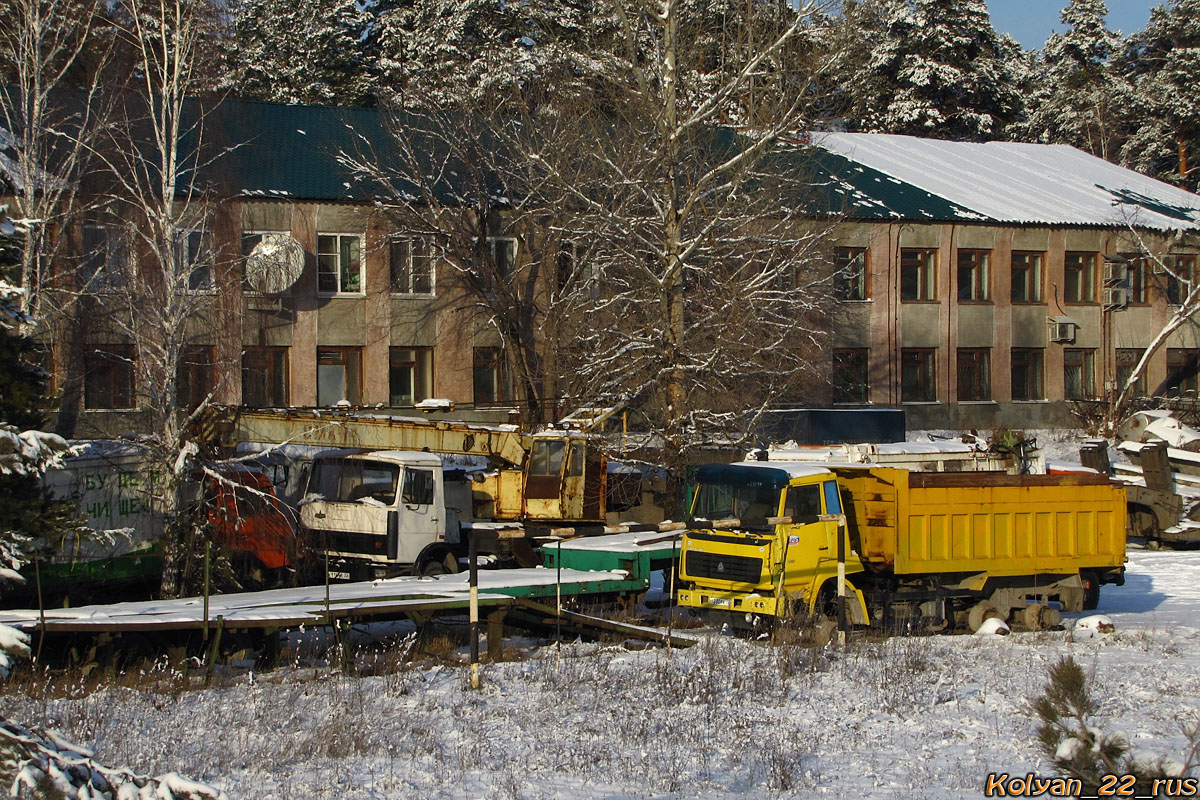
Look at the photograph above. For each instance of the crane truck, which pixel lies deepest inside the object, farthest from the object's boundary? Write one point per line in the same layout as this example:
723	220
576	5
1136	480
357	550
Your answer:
387	494
918	550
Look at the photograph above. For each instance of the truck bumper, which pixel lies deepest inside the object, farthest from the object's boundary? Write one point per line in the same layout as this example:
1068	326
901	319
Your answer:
737	603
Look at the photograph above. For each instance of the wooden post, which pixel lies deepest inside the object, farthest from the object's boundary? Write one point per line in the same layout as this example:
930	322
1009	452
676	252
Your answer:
473	560
495	634
37	574
213	650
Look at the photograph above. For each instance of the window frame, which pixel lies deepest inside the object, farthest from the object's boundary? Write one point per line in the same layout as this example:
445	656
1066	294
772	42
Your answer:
1088	277
192	263
1087	373
929	395
925	279
351	361
360	239
852	274
981	359
407	287
196	360
484	358
981	290
857	389
111	262
119	365
1037	267
493	241
1174	290
421	373
278	365
1038	362
1125	359
1190	380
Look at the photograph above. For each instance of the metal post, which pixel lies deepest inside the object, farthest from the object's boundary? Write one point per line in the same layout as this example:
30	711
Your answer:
207	561
558	601
37	573
841	581
473	560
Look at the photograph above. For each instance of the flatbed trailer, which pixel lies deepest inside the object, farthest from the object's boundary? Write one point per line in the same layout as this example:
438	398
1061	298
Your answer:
151	626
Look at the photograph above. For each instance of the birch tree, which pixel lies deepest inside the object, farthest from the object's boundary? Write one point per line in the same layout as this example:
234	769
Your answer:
157	297
51	111
689	186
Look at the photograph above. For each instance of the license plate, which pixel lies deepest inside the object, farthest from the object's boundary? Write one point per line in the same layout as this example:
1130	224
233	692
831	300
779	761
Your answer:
719	601
338	575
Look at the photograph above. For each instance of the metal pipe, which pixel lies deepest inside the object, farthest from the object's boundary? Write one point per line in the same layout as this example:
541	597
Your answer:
473	560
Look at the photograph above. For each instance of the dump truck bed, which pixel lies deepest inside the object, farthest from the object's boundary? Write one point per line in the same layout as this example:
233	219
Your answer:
917	523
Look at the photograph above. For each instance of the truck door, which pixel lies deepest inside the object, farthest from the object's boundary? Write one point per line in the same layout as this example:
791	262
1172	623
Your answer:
809	541
418	518
352	512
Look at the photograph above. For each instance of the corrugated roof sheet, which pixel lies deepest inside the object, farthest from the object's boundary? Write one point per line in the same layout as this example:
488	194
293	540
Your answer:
1012	182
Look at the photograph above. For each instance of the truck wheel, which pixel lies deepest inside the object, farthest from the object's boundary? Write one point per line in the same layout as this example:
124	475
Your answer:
1091	590
980	613
446	565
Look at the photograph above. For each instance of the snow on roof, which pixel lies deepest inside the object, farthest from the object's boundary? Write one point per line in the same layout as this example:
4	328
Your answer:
1015	182
793	469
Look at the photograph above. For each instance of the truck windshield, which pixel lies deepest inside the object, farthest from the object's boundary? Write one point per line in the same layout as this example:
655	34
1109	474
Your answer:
343	480
748	503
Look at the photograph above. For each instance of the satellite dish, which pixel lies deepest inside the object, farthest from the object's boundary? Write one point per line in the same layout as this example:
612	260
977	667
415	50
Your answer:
275	263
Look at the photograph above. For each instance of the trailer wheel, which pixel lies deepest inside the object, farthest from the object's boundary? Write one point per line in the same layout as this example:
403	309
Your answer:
980	613
1091	590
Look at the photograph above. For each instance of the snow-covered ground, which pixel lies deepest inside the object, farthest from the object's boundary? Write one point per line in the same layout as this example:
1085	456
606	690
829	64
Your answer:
908	717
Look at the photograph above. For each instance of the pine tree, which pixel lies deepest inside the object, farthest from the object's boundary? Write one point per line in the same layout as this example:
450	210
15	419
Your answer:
1074	91
28	512
311	51
1162	64
492	50
936	68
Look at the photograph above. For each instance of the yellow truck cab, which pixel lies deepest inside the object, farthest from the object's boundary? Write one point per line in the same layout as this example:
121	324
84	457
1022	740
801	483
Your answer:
920	550
763	536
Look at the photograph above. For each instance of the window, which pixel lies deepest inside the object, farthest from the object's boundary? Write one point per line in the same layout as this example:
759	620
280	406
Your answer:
850	379
1137	280
1027	277
489	376
339	376
1182	366
410	375
973	275
195	376
411	266
974	375
105	258
851	265
917	384
1027	371
193	257
339	264
1079	374
265	377
1185	268
1127	359
504	255
108	377
1079	277
350	480
546	456
572	266
803	504
917	271
418	487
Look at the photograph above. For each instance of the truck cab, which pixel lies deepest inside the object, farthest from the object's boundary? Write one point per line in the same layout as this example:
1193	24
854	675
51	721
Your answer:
376	513
761	536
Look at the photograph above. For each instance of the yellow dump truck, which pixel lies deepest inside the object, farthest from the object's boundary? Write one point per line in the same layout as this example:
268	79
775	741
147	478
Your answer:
919	550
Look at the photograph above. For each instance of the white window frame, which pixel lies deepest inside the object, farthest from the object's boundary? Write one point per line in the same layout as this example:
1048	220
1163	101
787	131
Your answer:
340	292
408	290
190	263
112	274
493	241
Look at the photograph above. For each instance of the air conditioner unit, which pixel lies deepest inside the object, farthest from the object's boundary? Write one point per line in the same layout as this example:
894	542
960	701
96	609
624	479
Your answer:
1115	298
1062	329
1116	272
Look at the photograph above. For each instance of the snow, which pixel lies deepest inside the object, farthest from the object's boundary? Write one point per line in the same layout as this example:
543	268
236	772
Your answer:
1013	182
993	627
